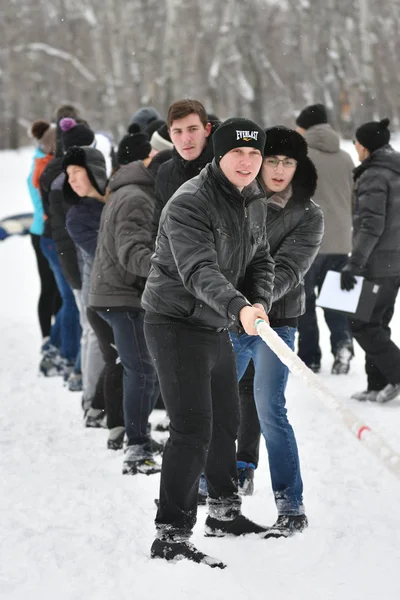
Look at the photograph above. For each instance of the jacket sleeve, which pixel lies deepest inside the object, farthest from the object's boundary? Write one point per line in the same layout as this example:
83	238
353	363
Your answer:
297	253
82	231
188	226
135	233
372	194
35	196
260	278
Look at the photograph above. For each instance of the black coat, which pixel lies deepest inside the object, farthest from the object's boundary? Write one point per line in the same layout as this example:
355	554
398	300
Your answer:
376	215
294	233
176	171
212	254
55	208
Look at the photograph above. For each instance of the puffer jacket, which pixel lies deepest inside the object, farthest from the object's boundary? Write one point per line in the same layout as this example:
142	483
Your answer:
125	243
212	255
376	215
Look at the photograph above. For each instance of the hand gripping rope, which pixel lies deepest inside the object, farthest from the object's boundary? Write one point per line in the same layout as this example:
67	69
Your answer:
296	366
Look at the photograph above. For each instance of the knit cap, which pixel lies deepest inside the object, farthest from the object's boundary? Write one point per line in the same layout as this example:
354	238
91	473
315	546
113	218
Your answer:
235	133
374	135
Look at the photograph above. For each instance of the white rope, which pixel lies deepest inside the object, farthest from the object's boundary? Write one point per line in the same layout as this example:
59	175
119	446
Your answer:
374	442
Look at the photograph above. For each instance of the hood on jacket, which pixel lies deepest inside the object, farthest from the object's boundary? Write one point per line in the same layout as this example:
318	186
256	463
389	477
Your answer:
323	137
384	158
94	163
132	173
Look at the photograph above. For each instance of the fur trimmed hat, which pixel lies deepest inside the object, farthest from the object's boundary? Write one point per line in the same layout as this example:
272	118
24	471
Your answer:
312	115
135	145
74	133
90	159
235	133
281	141
374	135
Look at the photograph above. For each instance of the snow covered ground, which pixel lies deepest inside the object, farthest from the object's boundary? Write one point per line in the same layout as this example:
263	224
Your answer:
72	527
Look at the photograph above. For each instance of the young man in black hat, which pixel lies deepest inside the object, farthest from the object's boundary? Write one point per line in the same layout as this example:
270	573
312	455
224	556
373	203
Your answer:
333	194
375	255
295	229
211	268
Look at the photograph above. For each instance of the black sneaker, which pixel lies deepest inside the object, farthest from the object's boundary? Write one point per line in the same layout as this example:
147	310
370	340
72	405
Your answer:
137	460
95	418
240	525
245	478
286	526
173	551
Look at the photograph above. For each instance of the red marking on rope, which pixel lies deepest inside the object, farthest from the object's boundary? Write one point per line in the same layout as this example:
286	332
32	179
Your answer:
361	431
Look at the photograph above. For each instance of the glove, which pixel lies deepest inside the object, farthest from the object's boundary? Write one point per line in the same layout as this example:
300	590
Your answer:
347	278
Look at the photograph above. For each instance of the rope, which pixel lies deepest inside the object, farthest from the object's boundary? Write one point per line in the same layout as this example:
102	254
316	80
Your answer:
373	441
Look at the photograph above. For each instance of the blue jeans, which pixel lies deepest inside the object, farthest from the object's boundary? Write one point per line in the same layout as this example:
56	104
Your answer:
270	381
140	383
66	331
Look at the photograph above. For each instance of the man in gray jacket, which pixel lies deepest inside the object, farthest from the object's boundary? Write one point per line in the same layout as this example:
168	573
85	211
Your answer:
333	194
376	256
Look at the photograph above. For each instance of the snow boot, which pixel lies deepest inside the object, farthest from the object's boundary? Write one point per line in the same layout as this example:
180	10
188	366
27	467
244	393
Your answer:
389	392
369	395
341	364
116	438
138	459
245	478
95	418
179	550
286	526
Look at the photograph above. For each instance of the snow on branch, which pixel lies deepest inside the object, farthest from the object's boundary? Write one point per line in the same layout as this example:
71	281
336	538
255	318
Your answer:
62	54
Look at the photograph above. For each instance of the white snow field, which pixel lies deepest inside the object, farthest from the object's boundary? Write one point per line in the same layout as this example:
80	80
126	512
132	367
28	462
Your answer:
73	528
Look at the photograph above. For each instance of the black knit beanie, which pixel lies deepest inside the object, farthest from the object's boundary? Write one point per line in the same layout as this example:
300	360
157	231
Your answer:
312	115
281	141
133	146
374	135
235	133
75	134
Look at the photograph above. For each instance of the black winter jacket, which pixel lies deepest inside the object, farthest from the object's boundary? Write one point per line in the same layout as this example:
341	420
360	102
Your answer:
55	208
176	171
294	233
376	215
212	255
83	224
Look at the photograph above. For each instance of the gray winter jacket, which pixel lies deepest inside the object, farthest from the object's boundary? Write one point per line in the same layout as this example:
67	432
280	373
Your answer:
376	219
334	188
125	244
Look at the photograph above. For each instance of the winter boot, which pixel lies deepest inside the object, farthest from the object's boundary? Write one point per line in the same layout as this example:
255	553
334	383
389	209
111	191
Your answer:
74	382
178	550
225	518
365	395
138	459
116	438
341	364
286	526
95	417
245	478
389	392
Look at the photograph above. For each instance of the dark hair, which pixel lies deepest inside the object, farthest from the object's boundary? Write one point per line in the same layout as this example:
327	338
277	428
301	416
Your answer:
67	111
183	108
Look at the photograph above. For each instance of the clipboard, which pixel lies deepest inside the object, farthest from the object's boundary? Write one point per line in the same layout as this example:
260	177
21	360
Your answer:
358	303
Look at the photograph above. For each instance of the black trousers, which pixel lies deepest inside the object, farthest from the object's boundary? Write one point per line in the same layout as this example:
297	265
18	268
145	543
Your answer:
49	299
249	433
197	372
109	390
382	356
